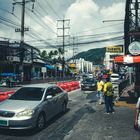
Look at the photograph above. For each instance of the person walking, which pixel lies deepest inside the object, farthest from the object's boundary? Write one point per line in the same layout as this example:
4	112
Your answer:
108	96
100	87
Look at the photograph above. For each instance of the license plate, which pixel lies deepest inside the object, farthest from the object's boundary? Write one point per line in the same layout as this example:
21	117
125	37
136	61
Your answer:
3	123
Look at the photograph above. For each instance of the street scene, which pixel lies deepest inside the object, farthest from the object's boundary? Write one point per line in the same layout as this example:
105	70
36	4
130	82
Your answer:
70	70
84	119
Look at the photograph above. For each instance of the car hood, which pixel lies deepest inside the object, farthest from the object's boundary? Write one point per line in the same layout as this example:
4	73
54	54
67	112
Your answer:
18	105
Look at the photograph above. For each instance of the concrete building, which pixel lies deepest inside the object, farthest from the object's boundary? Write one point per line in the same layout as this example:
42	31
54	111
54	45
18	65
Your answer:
111	53
83	66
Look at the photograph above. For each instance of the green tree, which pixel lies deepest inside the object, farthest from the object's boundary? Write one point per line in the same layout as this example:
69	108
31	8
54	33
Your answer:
51	53
60	50
44	55
55	52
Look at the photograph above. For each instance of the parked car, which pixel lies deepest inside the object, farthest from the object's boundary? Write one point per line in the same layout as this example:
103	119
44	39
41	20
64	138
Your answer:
32	106
114	77
89	84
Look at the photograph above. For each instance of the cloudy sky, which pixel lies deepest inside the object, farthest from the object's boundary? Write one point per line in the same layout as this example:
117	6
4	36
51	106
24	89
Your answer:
83	17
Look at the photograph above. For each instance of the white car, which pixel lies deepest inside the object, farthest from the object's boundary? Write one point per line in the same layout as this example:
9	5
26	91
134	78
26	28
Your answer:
114	77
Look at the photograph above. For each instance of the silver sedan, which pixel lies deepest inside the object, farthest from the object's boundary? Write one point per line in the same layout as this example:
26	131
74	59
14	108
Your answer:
31	106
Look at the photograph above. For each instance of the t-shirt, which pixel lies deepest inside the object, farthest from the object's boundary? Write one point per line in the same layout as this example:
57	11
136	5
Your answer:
108	89
100	85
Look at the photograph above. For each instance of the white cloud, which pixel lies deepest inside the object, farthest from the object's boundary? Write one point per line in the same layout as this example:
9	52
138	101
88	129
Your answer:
86	16
116	11
81	15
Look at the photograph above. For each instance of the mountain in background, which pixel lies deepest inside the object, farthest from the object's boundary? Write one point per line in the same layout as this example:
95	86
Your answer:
93	55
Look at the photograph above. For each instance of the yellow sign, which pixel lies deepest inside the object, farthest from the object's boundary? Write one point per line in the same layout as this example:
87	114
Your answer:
72	65
114	49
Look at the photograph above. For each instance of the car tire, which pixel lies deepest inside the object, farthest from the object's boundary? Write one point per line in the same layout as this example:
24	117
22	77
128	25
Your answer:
82	89
64	107
40	122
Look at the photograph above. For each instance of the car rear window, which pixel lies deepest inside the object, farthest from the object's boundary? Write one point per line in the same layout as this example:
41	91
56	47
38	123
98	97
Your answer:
114	76
89	80
28	94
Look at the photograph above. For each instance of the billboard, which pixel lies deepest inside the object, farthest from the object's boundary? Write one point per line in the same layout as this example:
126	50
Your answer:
115	49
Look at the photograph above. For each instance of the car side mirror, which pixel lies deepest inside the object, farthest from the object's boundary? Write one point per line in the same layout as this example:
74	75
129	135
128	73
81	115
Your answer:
49	97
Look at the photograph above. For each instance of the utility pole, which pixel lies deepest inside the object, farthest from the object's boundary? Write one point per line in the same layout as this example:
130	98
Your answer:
75	44
22	30
62	26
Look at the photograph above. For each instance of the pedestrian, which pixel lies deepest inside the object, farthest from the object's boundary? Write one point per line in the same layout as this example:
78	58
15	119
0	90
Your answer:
108	96
8	82
137	116
100	87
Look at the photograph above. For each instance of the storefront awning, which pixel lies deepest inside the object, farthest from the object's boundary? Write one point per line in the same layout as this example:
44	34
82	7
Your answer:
127	59
7	74
51	67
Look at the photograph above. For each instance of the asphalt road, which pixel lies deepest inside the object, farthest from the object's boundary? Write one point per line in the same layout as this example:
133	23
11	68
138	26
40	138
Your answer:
84	120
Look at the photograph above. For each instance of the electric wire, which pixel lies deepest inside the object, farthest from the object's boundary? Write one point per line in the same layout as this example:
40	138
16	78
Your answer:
56	13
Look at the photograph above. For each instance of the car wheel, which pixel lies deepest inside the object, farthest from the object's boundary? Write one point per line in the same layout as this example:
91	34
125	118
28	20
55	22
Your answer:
82	89
41	122
64	107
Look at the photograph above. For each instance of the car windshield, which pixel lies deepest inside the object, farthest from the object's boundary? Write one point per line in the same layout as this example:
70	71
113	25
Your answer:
28	94
89	80
114	76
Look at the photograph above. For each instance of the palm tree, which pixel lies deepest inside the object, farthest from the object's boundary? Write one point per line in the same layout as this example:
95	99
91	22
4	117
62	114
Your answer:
51	53
55	52
44	55
60	50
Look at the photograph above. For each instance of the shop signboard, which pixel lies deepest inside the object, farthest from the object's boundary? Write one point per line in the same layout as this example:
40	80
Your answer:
115	49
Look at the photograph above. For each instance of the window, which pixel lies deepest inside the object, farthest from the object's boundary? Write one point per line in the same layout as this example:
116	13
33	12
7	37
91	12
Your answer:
58	90
28	94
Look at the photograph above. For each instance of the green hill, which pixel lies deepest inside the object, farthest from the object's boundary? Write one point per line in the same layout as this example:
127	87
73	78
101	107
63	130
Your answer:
94	55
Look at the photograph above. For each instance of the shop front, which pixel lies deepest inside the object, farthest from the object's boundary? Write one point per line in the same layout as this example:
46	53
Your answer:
132	61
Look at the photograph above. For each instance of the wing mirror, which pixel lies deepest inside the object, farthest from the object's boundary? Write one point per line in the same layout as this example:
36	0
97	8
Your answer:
49	97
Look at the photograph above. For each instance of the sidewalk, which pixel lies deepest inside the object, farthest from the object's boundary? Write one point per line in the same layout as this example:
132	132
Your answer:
127	98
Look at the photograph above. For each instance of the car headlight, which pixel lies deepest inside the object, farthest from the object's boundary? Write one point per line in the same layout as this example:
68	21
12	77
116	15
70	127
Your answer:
28	112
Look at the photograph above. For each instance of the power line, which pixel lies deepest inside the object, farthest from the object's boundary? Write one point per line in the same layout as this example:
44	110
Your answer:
56	13
98	28
45	11
42	23
8	21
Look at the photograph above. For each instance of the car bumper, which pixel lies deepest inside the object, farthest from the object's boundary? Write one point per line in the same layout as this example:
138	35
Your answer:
18	124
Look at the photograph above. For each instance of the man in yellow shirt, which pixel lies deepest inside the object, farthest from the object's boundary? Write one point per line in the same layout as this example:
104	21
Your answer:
108	95
100	87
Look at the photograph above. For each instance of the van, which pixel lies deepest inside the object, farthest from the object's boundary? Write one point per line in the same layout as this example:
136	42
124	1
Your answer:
114	77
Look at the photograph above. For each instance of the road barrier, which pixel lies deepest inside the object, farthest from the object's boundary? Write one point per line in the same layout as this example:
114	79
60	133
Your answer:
5	95
69	86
